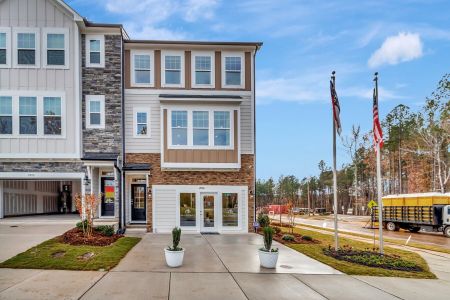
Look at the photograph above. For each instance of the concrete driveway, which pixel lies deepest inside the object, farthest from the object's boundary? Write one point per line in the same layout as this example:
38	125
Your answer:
18	234
215	267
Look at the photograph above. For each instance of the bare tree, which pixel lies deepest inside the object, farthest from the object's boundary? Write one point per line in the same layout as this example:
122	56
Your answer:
352	144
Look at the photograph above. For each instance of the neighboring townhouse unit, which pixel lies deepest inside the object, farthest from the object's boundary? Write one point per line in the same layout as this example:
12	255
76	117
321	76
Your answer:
189	135
60	109
40	136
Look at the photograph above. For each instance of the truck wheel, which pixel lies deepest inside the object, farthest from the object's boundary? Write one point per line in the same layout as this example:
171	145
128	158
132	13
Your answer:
391	226
414	229
447	231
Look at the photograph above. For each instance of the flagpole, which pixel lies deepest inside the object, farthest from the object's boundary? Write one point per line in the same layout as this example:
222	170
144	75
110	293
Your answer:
380	201
336	238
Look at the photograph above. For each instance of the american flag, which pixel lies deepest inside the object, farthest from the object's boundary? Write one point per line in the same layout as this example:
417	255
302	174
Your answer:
377	133
336	108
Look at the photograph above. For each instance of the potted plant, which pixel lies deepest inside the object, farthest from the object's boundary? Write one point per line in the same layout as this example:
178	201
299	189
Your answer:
268	256
174	255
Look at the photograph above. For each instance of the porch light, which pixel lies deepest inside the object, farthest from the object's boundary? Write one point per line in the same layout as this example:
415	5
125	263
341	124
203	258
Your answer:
86	180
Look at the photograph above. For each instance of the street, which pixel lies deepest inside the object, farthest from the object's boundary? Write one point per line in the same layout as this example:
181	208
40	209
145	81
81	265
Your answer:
361	225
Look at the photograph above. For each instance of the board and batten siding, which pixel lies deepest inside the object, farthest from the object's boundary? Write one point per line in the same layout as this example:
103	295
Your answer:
41	14
164	208
152	144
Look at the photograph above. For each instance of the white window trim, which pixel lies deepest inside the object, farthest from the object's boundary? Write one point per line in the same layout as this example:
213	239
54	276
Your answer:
45	32
165	53
190	131
137	110
213	74
101	38
9	115
39	114
90	98
233	54
7	30
37	49
152	68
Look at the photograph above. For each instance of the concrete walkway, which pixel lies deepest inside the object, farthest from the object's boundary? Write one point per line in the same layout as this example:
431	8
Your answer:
216	267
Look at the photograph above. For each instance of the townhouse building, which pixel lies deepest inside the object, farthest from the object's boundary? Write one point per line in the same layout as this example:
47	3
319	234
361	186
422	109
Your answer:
164	131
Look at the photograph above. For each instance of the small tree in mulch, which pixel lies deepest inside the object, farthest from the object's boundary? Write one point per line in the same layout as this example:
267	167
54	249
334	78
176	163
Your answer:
291	217
87	212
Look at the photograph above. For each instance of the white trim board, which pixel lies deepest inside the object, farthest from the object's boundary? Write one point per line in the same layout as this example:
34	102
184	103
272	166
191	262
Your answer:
41	175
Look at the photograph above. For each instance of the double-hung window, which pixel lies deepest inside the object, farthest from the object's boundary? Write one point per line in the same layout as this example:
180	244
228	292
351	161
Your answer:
52	115
200	133
95	51
26	43
141	122
233	73
5	52
172	71
6	115
203	69
95	111
56	47
142	66
28	115
179	127
222	128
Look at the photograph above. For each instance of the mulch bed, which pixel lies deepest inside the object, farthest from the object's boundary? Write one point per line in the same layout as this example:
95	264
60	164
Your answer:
76	237
373	259
298	238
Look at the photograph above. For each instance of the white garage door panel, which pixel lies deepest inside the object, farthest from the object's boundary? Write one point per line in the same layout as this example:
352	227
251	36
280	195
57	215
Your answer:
165	209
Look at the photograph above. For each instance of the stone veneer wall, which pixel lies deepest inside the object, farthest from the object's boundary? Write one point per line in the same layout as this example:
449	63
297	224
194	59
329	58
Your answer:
244	176
104	81
49	167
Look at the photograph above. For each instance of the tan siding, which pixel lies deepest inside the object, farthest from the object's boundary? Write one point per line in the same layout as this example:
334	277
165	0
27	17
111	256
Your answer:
218	67
187	66
248	71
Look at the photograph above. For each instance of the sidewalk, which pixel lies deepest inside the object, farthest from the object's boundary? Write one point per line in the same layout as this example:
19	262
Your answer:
216	267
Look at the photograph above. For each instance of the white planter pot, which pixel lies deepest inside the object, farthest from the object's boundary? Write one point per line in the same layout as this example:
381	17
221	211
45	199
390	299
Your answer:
268	259
174	258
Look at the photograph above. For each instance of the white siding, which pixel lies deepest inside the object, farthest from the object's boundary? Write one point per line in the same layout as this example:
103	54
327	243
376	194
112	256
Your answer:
153	143
164	210
41	14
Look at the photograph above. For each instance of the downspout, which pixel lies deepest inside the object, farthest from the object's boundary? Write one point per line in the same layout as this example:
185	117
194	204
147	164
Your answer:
254	132
122	174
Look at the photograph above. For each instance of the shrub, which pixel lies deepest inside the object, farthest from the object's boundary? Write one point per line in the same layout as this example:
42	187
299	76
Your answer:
82	225
307	238
276	229
263	220
176	236
106	230
288	238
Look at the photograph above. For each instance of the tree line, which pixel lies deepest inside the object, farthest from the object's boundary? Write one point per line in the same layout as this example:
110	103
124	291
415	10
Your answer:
415	159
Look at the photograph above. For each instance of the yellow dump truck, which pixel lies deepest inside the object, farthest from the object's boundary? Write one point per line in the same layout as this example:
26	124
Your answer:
415	212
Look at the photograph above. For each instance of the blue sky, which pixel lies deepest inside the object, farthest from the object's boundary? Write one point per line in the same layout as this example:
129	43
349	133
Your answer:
407	42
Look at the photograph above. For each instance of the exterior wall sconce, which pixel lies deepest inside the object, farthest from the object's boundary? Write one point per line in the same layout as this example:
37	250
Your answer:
86	180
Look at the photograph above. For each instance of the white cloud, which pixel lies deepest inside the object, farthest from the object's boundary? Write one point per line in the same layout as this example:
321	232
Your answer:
145	18
396	49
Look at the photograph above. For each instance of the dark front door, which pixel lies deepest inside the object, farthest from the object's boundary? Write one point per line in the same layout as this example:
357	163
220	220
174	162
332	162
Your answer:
108	190
138	199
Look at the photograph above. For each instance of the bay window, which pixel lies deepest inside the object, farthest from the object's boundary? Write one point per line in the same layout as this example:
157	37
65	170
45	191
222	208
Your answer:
201	128
27	115
52	115
179	128
6	115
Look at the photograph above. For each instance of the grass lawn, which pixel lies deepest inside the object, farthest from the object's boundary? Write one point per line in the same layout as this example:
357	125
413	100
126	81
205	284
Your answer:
316	251
392	241
42	256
